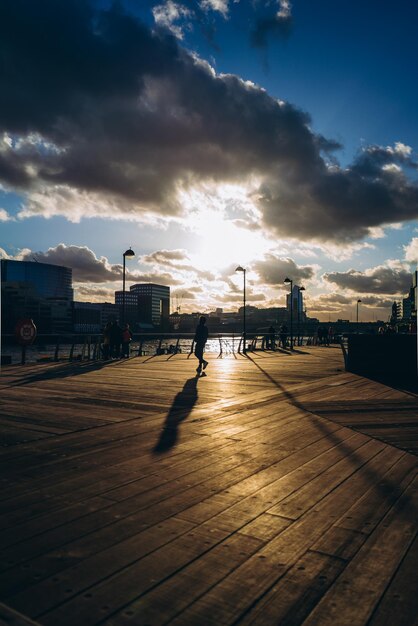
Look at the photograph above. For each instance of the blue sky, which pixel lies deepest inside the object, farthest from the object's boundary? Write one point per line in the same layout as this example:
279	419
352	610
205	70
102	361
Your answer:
207	134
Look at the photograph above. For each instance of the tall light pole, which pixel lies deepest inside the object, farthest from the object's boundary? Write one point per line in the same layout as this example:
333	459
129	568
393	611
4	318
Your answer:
299	290
289	280
244	330
358	302
128	253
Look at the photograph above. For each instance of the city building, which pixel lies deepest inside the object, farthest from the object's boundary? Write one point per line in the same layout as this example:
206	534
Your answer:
409	304
297	303
39	291
132	312
146	303
92	317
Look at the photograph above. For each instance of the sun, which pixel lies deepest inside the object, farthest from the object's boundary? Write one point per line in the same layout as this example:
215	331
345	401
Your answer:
225	223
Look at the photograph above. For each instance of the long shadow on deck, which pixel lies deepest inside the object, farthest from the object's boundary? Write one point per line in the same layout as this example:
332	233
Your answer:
182	405
388	489
62	371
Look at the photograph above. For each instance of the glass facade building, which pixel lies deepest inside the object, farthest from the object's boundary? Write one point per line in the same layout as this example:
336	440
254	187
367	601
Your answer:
49	281
38	291
153	302
146	303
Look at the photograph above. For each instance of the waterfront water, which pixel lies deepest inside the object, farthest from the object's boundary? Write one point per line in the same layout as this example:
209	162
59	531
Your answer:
46	352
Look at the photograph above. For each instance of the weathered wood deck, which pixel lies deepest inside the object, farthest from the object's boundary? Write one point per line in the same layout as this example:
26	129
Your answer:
278	489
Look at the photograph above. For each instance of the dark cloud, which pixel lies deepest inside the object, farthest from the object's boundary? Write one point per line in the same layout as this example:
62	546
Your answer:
95	293
177	260
335	298
376	302
107	106
231	297
331	203
273	270
89	268
167	257
381	280
185	294
84	263
274	25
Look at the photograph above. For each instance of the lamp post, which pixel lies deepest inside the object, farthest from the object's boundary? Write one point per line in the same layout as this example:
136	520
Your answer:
299	290
128	253
244	333
358	302
289	280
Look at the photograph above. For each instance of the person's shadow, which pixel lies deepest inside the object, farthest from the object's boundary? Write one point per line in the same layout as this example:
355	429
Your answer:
182	405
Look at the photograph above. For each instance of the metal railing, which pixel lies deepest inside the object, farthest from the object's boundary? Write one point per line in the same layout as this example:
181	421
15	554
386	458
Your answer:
89	347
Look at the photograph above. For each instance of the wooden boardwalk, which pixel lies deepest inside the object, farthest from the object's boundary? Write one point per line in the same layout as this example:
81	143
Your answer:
276	490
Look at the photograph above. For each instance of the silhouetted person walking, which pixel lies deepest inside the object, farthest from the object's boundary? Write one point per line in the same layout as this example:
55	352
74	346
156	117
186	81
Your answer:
272	338
106	341
200	338
115	340
126	340
283	335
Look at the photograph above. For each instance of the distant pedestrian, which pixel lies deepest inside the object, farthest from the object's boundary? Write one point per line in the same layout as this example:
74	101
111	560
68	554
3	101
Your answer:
330	338
200	338
115	340
272	338
283	335
126	341
106	341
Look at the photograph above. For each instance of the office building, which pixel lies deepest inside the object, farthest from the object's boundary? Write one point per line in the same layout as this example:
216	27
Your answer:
297	303
146	303
39	291
92	317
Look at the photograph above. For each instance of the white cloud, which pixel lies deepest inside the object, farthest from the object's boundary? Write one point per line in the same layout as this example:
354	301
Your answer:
391	278
220	6
411	251
284	11
5	216
167	14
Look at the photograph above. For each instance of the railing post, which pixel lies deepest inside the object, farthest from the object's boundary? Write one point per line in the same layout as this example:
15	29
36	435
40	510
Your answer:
23	360
57	347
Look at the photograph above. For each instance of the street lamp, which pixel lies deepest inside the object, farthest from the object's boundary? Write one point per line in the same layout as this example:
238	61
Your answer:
128	253
289	280
244	334
358	302
299	290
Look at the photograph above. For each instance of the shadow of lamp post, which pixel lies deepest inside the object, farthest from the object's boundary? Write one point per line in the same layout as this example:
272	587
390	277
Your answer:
244	330
127	254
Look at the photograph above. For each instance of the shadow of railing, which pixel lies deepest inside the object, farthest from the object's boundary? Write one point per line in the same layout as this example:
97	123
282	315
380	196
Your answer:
385	487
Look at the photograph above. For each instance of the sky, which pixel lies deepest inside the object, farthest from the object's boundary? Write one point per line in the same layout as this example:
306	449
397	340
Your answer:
206	134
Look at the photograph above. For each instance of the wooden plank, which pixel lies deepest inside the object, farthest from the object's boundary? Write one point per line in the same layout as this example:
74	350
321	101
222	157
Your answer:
293	597
357	591
98	527
399	603
9	617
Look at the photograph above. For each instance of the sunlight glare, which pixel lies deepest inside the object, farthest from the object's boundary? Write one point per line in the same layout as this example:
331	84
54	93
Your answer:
214	215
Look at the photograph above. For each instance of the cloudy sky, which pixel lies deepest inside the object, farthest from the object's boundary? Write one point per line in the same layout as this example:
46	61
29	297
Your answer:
205	134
